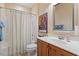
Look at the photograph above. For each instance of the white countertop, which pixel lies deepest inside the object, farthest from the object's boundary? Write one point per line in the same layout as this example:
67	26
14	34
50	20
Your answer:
72	46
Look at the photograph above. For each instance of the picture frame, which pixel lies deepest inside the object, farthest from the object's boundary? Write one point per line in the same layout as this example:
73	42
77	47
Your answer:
43	23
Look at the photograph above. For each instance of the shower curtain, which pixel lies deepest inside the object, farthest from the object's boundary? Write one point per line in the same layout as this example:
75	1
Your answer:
20	30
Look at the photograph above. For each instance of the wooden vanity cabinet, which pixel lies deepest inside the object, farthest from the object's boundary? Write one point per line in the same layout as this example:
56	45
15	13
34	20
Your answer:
56	51
46	49
42	48
51	51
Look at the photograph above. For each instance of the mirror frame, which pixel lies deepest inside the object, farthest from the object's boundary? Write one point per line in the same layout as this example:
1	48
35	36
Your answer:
72	17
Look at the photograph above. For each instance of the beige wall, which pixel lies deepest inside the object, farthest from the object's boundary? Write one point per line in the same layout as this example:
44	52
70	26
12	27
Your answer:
49	10
2	5
77	22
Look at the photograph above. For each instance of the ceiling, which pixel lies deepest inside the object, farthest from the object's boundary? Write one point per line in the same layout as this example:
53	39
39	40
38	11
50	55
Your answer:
30	5
27	5
39	6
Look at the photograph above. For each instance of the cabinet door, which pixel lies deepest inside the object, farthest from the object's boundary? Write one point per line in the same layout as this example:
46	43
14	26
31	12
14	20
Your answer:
66	53
51	50
58	52
55	51
42	48
62	52
39	47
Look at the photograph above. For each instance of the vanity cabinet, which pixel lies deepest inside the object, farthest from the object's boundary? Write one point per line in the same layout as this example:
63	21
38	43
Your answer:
52	51
42	48
56	51
46	49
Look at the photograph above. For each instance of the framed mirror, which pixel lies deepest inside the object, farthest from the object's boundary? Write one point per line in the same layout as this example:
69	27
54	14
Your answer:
64	17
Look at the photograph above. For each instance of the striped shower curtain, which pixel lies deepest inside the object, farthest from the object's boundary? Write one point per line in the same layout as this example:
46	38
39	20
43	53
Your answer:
19	30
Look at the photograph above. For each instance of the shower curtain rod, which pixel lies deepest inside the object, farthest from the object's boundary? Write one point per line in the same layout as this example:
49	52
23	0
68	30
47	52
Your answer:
17	10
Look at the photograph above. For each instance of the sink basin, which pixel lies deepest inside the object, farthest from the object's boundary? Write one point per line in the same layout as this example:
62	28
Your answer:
56	40
71	42
62	41
59	41
50	37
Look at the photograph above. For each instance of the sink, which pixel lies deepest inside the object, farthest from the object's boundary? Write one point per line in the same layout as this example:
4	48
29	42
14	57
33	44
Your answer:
71	46
71	42
50	37
74	42
59	41
56	40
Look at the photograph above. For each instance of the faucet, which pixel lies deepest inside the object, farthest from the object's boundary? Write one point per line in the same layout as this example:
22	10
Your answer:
61	37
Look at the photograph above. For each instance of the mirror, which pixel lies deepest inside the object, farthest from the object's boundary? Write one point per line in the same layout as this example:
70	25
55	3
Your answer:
64	17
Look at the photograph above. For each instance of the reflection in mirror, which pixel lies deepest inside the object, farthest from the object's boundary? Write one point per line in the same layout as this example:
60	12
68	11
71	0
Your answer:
64	17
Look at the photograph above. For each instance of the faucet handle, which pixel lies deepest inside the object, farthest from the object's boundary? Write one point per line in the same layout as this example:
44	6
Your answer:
67	38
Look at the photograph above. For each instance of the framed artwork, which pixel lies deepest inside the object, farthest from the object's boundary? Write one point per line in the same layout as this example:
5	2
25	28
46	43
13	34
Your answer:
43	22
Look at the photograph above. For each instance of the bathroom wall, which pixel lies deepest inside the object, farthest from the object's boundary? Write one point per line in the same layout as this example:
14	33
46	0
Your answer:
41	13
2	5
49	10
77	22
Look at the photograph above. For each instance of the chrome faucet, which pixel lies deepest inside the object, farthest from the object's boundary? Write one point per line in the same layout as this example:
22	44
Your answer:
61	37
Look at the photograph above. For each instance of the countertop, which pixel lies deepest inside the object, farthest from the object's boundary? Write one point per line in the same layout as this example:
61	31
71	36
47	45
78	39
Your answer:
72	46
